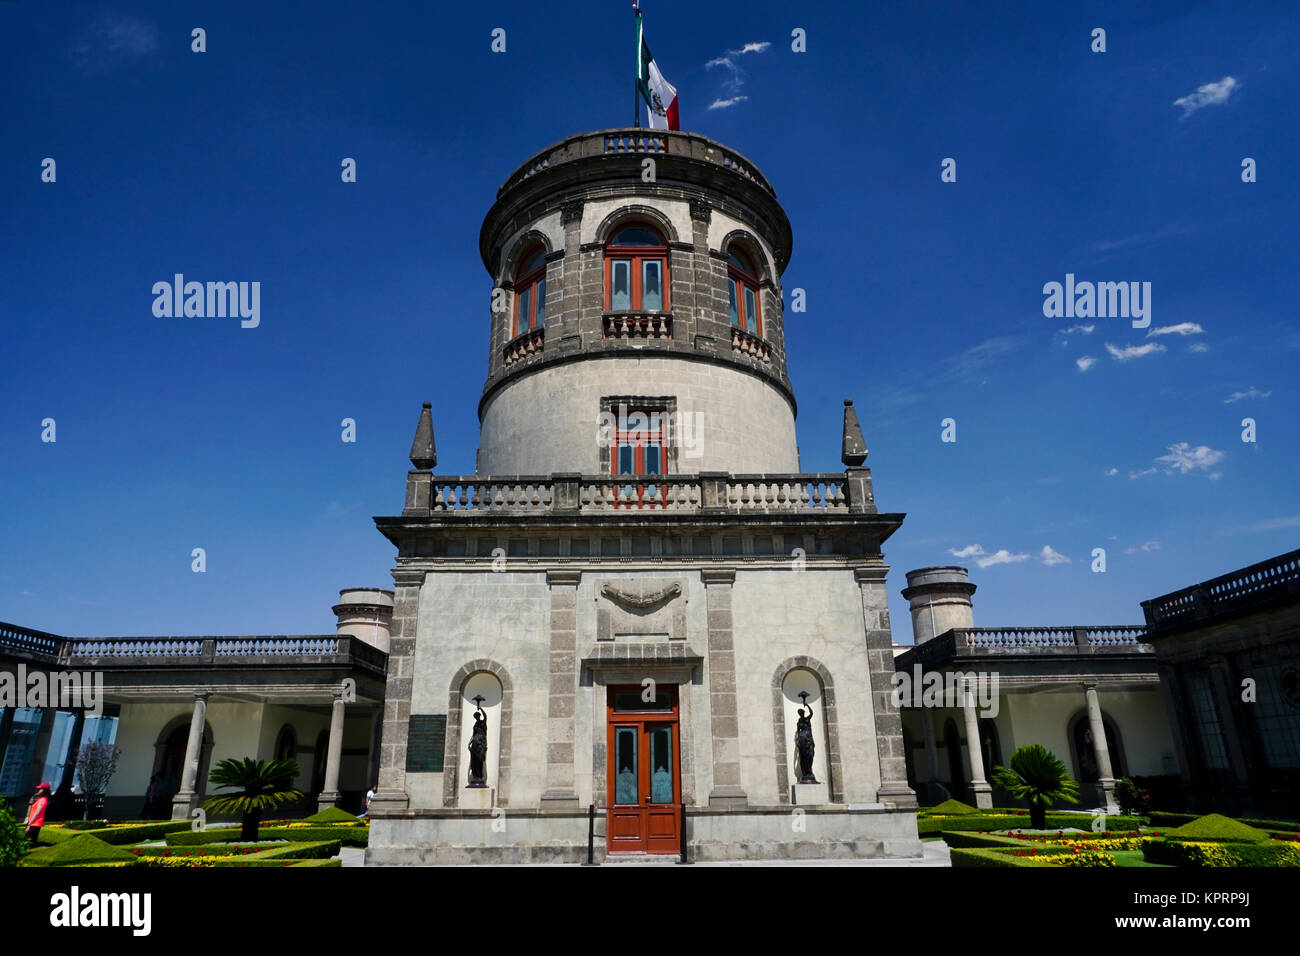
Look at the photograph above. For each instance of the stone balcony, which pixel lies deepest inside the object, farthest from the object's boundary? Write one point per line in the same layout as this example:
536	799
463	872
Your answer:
114	653
638	325
523	346
1276	580
476	496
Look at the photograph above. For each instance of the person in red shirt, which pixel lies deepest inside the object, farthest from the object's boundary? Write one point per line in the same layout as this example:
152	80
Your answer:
36	812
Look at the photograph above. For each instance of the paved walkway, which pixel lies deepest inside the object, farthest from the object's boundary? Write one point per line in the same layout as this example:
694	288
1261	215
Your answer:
936	854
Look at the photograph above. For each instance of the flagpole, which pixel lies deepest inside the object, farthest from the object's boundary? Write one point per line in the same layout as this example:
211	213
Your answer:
636	81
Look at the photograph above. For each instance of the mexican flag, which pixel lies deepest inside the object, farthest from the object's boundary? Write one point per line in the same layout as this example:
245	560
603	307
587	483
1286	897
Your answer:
660	96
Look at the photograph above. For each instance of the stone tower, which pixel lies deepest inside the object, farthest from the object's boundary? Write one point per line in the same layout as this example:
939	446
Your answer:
639	603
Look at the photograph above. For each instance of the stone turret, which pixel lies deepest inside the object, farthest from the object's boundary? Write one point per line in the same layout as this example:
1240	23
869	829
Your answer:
663	296
367	614
940	600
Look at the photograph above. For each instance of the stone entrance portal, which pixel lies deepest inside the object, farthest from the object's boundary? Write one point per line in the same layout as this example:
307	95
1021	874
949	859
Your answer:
645	787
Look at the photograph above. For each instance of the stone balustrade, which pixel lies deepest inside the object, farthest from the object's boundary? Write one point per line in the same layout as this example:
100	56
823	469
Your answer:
1040	638
524	346
473	495
28	642
637	141
1277	577
747	343
638	325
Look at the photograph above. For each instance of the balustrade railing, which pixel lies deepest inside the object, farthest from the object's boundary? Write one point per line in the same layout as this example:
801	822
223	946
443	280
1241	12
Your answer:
1047	638
524	346
638	325
474	495
747	343
1275	577
25	639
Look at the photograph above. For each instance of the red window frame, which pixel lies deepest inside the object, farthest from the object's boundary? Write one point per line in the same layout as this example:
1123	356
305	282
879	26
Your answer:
637	255
746	280
529	282
651	494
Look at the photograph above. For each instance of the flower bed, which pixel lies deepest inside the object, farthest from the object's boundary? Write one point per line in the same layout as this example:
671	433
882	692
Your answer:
344	833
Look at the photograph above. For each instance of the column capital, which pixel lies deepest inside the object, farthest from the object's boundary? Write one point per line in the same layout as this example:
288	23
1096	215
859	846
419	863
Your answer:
872	574
563	577
717	576
202	695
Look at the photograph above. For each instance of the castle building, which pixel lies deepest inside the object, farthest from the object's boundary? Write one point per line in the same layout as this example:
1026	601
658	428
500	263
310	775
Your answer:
638	603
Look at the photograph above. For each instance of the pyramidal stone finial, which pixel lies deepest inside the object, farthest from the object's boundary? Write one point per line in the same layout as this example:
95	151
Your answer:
423	453
854	450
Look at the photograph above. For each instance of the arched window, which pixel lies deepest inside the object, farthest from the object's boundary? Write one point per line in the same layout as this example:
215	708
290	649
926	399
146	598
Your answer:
742	290
286	745
530	292
636	270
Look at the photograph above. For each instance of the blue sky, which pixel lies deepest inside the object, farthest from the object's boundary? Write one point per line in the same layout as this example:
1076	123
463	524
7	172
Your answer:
924	298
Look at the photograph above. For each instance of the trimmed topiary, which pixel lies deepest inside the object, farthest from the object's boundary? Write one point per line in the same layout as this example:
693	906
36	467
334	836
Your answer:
331	815
81	850
950	808
1216	828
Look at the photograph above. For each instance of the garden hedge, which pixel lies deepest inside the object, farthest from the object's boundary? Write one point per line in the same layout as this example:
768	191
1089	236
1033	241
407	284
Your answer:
991	857
1160	819
282	855
933	826
1175	853
348	836
117	835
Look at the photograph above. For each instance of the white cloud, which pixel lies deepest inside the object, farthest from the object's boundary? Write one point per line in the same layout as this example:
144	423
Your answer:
1182	328
113	40
1272	524
1084	329
1198	347
1133	351
1253	393
727	103
1140	474
986	560
1144	546
733	76
1209	94
1183	458
1112	472
1085	362
1050	557
1000	557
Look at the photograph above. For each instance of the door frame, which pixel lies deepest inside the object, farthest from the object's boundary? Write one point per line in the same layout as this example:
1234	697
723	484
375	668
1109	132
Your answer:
643	721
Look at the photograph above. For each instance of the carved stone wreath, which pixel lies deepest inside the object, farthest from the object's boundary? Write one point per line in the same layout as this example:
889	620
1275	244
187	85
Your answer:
646	609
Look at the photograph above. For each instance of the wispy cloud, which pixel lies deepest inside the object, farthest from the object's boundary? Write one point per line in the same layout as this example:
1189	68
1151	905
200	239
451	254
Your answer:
1144	546
971	364
727	103
1085	329
1140	238
1183	458
1272	524
1210	94
1112	472
1143	473
1182	328
1239	396
1198	347
986	560
1133	351
112	40
733	75
1085	362
1051	557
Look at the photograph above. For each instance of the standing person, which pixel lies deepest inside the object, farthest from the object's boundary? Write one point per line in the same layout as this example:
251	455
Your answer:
36	812
151	795
370	795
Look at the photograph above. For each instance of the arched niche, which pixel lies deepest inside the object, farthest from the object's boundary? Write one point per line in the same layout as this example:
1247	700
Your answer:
486	685
798	680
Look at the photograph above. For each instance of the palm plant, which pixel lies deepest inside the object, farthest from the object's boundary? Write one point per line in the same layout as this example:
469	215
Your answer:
261	784
1038	776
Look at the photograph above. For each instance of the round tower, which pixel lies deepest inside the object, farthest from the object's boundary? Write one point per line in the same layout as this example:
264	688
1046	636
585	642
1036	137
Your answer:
939	600
366	613
636	282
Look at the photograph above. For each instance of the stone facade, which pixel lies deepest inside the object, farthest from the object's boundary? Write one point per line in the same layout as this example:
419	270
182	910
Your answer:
702	607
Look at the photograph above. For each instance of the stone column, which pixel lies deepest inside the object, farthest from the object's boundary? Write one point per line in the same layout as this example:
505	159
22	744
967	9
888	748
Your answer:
560	790
974	750
1101	748
931	751
187	798
36	766
888	724
727	790
61	804
1171	691
1224	689
397	693
329	797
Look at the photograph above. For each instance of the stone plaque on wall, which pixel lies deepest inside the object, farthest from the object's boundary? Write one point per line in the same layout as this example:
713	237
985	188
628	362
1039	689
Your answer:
426	740
641	608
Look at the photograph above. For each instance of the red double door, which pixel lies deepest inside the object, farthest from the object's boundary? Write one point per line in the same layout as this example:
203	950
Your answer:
643	765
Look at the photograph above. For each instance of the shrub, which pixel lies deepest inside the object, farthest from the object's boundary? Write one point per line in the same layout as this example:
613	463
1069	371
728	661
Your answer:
283	855
1038	776
348	836
332	815
933	826
1008	857
1218	854
13	842
950	808
1216	828
79	851
1084	858
1132	799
